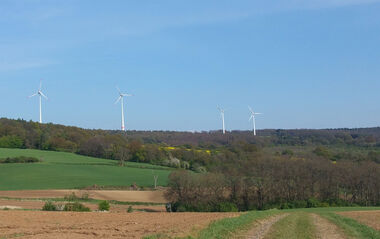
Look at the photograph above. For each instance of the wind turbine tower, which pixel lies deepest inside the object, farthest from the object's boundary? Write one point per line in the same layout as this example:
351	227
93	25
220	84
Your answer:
222	115
121	99
253	118
40	94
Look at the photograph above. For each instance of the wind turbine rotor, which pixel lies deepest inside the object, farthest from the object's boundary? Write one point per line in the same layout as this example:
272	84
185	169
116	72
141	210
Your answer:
251	110
42	94
118	99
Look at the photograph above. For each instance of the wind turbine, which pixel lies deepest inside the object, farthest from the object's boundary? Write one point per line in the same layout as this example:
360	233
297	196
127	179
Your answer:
253	118
40	94
121	98
222	114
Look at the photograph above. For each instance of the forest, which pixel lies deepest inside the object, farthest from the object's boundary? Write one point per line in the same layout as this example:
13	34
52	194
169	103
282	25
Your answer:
236	171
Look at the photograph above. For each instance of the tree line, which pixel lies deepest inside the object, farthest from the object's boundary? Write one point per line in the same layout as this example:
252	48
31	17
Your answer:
263	183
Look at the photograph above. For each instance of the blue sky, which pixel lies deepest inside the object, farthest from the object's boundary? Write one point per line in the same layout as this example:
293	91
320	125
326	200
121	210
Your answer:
304	64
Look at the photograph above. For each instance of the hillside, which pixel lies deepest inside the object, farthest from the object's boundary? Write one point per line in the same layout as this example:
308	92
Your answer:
277	169
60	170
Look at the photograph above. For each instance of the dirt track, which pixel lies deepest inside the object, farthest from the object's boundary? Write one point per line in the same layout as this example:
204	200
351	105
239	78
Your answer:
370	218
326	229
33	224
125	196
262	227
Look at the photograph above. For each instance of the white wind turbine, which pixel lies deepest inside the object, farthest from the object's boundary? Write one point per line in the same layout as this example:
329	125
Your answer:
40	94
253	118
121	98
222	115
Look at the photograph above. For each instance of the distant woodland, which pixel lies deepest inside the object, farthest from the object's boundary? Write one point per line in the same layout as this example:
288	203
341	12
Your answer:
236	171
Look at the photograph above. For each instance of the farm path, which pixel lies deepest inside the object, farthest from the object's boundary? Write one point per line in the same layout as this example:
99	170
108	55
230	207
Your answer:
261	227
326	229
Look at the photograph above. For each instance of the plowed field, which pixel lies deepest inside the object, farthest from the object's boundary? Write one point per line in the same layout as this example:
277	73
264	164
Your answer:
370	218
126	196
38	224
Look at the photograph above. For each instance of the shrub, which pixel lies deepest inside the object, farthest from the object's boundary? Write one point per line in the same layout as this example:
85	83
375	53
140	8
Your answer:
130	209
313	202
49	206
299	204
85	196
227	207
20	159
104	206
76	207
71	197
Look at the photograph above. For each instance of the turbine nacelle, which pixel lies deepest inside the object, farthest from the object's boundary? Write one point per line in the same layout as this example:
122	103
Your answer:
121	95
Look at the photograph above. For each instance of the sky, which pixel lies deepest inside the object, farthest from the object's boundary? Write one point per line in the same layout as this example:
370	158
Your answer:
303	64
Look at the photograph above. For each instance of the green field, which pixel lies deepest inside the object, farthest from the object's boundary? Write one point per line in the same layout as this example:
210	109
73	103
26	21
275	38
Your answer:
59	170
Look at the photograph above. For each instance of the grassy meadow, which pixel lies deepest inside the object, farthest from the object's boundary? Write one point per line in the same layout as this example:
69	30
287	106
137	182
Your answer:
60	170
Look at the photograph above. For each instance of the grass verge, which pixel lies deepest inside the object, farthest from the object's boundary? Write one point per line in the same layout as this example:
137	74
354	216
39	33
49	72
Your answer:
351	227
296	225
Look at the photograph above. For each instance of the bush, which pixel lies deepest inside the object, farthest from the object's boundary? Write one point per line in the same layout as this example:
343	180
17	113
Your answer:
227	207
76	207
71	197
104	206
313	202
85	196
20	159
130	209
49	206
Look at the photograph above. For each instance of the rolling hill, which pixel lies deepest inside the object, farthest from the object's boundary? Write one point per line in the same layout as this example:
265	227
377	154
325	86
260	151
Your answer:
60	170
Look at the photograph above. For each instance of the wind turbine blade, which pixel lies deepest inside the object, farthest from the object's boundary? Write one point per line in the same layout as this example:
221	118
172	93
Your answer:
118	99
250	118
126	95
33	95
118	90
250	109
43	95
258	113
40	85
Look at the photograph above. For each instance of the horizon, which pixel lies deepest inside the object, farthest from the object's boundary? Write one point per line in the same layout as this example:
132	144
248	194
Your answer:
195	131
305	65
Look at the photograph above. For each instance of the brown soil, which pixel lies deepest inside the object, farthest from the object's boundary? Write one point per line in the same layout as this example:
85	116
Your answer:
38	206
261	227
37	224
369	218
326	229
125	196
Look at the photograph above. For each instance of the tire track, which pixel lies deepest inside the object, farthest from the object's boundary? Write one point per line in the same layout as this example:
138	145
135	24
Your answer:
261	227
326	229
